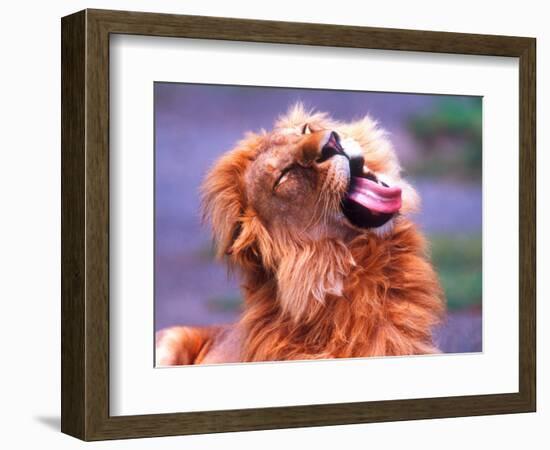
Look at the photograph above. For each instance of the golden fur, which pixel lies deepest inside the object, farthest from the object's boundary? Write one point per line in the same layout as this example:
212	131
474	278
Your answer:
314	285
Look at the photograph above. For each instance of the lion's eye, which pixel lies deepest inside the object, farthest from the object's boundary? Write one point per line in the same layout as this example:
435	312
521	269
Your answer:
282	179
284	176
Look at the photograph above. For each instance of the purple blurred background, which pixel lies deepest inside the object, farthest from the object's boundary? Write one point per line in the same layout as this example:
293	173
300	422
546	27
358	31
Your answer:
437	138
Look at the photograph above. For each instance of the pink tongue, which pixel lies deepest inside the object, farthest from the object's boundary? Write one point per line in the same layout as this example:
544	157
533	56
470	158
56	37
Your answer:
374	196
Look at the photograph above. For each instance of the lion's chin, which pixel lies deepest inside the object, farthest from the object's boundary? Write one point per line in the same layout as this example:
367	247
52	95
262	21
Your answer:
364	218
365	200
370	202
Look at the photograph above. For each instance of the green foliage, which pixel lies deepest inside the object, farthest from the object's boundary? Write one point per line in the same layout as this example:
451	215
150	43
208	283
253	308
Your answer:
458	261
225	304
450	138
451	116
206	252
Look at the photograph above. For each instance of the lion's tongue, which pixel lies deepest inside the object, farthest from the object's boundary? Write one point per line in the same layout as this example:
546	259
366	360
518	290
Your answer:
374	196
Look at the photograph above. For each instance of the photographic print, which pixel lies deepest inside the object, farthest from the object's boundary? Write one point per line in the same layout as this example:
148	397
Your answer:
302	224
313	212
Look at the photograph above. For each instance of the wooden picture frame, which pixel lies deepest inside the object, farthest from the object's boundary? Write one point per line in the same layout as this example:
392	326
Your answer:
85	224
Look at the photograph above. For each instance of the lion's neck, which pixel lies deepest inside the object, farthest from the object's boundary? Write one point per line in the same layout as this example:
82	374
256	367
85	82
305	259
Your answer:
377	296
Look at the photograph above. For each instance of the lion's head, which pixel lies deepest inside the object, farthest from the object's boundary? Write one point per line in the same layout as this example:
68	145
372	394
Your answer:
289	201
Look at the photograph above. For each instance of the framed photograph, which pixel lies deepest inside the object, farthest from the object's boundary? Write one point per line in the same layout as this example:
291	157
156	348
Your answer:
271	225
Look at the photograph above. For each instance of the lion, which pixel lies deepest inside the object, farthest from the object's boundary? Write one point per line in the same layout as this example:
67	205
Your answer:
314	217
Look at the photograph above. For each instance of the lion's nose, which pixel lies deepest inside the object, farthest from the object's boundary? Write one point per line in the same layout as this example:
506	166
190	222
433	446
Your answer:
331	147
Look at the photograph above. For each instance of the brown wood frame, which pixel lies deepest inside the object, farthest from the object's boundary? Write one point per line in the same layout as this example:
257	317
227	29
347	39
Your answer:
85	224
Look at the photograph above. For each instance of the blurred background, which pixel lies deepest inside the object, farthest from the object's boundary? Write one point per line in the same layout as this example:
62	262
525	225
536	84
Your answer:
438	141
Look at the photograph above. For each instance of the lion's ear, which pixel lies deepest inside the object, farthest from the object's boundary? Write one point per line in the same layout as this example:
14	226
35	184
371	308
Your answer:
253	243
230	249
224	196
